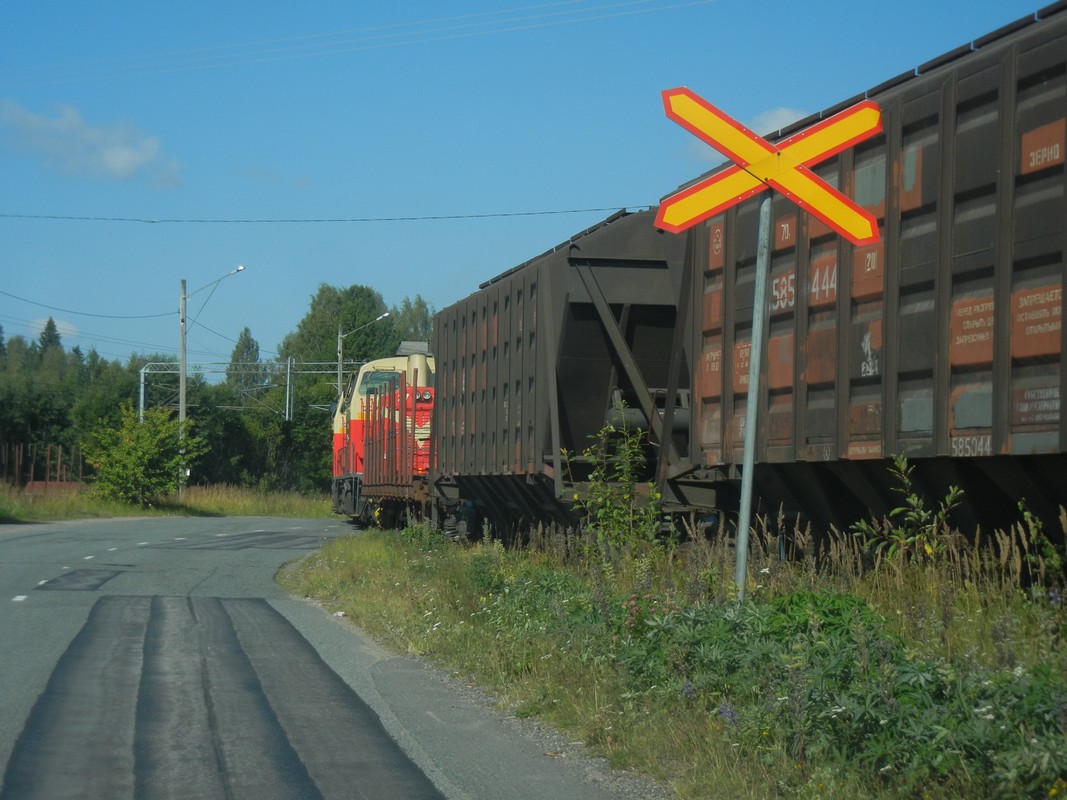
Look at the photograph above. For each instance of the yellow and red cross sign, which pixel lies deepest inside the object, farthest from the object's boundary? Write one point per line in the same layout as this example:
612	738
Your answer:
758	164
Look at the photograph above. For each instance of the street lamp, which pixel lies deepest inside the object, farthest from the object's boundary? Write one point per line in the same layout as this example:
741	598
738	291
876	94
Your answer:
340	339
181	353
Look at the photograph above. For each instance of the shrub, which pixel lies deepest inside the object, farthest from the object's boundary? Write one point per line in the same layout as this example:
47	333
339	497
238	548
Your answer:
141	460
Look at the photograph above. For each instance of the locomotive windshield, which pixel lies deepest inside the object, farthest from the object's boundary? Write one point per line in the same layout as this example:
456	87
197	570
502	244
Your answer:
379	381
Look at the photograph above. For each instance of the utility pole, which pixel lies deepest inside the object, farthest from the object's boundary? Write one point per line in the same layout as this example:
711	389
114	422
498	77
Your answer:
181	393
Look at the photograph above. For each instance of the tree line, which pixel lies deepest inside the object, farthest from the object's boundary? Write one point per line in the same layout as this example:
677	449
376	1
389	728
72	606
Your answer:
266	424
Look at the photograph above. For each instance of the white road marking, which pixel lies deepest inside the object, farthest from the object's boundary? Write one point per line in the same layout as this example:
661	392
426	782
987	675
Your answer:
87	558
112	549
18	598
141	544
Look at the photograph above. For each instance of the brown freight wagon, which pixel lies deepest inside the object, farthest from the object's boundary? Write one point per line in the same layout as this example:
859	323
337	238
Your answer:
943	342
530	366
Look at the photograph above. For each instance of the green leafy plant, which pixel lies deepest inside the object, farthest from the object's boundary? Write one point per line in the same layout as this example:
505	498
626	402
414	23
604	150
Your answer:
619	512
136	461
911	531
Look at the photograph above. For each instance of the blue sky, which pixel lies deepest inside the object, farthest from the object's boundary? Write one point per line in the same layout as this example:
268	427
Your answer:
225	119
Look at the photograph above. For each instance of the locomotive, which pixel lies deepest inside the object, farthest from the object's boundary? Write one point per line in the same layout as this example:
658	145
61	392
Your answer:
942	342
381	437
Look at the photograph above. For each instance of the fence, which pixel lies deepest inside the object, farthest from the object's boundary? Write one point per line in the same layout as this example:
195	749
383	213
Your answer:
40	467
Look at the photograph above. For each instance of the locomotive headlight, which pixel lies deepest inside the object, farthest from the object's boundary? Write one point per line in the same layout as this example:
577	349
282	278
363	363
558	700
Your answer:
425	394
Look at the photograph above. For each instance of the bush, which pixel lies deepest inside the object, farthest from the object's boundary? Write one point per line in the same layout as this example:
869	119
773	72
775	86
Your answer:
139	461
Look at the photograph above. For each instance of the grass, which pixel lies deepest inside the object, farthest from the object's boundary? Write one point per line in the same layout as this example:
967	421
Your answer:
18	505
841	678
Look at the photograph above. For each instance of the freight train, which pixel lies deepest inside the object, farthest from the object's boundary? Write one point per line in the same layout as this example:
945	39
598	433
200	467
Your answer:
943	342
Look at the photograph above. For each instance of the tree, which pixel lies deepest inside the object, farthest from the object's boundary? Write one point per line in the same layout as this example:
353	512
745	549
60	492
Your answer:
137	462
413	320
244	371
104	387
315	337
34	399
50	335
299	450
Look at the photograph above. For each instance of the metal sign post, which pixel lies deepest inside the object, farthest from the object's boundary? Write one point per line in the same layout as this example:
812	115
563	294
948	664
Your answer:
759	165
755	358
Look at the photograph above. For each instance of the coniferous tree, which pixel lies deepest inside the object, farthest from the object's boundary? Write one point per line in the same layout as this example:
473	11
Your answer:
244	371
50	335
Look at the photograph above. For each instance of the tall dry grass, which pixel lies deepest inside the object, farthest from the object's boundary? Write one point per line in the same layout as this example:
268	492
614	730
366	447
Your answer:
19	505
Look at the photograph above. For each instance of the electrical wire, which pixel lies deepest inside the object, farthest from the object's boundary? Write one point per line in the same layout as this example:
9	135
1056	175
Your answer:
88	313
88	336
416	32
319	220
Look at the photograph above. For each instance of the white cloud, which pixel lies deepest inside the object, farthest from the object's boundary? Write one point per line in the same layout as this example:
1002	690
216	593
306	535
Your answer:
66	330
775	119
67	143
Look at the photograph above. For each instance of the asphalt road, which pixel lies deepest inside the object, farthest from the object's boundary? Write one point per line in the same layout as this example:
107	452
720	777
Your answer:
157	658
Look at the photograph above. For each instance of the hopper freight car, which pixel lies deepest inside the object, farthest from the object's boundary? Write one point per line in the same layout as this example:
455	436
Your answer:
531	365
944	342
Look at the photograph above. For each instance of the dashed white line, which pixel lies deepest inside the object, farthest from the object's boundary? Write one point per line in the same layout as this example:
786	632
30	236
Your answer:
112	549
18	598
141	544
88	558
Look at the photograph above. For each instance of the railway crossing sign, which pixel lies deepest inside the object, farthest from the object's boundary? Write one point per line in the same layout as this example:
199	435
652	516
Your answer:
759	165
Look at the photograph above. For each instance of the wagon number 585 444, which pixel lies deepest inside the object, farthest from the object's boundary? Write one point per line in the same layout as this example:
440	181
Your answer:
823	287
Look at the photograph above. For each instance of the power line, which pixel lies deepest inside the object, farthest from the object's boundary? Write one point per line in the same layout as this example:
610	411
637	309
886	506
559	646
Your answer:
88	313
315	220
418	32
109	339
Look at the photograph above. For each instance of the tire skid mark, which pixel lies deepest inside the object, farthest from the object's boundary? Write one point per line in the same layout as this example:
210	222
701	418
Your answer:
352	755
195	665
78	739
177	697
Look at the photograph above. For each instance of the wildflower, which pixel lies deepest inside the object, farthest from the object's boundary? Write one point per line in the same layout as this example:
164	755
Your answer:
689	691
728	713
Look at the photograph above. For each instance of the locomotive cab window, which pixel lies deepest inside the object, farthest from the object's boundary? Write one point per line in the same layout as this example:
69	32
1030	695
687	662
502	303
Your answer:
377	382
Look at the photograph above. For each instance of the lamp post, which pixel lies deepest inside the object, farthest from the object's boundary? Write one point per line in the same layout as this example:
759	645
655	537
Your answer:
341	338
181	356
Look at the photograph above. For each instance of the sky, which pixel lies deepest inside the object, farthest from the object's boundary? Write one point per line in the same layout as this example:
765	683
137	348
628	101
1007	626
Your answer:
419	148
